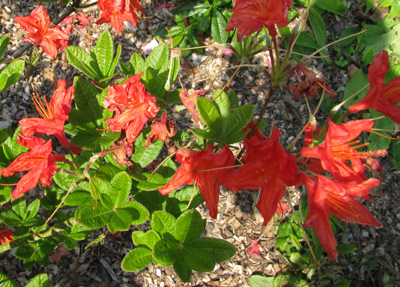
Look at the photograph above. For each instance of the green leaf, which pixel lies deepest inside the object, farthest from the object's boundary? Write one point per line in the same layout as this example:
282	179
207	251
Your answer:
157	57
209	114
180	267
5	282
3	44
78	197
143	156
137	64
205	21
191	8
138	237
163	222
318	26
151	199
24	251
333	6
356	83
141	215
104	52
155	182
386	40
221	250
378	142
115	61
151	238
83	62
41	280
94	218
121	220
166	250
218	27
19	206
189	226
261	281
33	208
13	72
345	248
106	201
5	194
8	217
198	259
239	119
137	259
119	188
86	100
162	33
224	108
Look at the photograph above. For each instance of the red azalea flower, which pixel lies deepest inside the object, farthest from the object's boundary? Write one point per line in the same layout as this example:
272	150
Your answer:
309	87
251	16
326	196
118	11
163	130
338	148
189	99
199	167
40	162
79	19
255	248
133	107
6	236
51	39
53	115
381	98
267	166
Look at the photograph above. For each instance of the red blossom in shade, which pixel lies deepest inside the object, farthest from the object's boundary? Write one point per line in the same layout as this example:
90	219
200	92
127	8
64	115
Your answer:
309	87
120	151
79	19
51	39
6	236
202	168
118	11
251	16
380	97
133	107
326	196
53	114
40	162
267	166
339	148
163	130
189	98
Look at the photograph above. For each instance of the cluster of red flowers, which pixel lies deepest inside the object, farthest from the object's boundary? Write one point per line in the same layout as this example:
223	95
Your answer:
53	39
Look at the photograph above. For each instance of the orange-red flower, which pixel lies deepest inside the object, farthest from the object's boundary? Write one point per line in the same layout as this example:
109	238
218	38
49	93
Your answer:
79	19
40	162
118	11
53	114
326	196
202	168
51	39
380	97
163	130
189	98
251	16
267	166
6	236
133	107
338	149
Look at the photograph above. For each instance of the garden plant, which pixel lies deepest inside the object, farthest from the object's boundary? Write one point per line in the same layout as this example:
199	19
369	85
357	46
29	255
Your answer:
105	151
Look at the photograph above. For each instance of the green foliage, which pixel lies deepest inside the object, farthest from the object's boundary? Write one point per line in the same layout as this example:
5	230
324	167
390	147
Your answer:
177	242
209	15
13	71
224	120
100	64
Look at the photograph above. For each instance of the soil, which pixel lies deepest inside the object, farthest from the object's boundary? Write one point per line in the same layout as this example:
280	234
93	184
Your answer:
239	222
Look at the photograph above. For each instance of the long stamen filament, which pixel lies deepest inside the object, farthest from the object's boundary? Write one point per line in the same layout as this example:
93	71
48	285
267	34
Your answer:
382	135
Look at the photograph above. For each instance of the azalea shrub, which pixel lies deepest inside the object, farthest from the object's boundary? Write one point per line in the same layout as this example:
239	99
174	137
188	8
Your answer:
121	160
